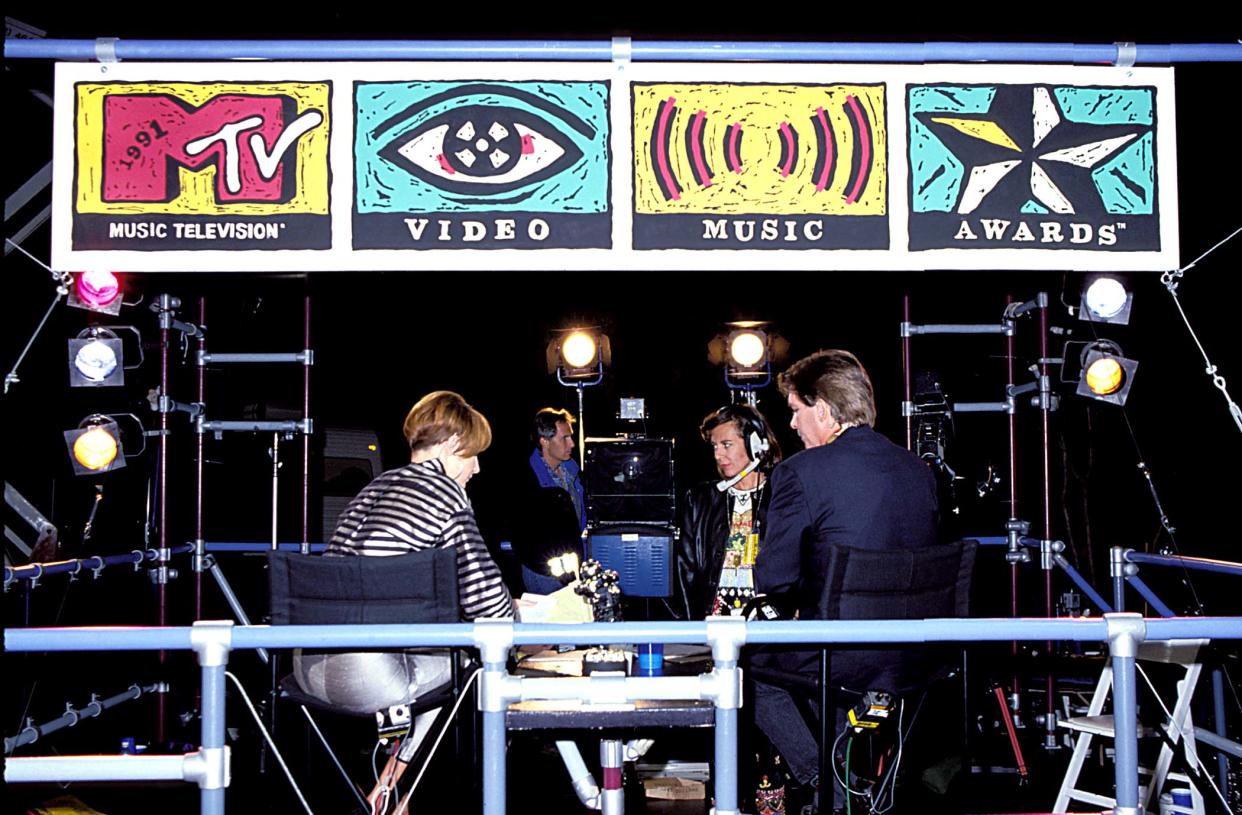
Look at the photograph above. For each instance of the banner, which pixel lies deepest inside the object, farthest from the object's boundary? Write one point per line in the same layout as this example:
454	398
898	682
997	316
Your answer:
531	166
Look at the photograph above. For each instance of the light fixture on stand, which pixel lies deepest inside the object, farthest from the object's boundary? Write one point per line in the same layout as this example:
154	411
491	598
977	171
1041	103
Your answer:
578	357
747	352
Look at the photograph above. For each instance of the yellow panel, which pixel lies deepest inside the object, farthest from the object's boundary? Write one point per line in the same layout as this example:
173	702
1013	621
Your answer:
759	188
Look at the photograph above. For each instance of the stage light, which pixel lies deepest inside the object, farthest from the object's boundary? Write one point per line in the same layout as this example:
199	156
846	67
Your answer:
1106	374
578	356
95	446
747	348
96	359
578	349
96	290
1105	299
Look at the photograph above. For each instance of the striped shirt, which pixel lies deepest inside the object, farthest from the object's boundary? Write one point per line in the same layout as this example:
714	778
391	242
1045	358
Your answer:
419	507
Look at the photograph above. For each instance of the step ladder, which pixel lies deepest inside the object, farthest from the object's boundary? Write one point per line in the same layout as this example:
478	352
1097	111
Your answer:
1180	728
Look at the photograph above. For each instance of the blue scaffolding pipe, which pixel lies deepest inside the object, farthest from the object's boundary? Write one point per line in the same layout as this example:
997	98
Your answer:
1081	582
32	732
1199	563
604	50
1088	629
1150	596
209	546
1002	540
95	565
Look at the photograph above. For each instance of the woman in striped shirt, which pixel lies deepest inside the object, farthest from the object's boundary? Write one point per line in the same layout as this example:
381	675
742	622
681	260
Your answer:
422	505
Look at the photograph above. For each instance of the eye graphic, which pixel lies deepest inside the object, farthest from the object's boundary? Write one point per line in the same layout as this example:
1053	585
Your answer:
472	141
480	149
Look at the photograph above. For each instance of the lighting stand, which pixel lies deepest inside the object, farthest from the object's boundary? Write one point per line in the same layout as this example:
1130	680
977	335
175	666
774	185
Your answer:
581	385
581	426
165	306
1046	401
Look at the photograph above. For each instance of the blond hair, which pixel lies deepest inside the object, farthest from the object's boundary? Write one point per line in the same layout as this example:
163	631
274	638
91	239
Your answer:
442	414
837	378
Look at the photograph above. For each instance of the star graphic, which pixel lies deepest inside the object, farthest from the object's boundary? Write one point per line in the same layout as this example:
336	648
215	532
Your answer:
1024	149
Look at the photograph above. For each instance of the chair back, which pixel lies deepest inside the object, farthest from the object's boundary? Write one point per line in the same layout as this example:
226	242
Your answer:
905	584
910	584
419	587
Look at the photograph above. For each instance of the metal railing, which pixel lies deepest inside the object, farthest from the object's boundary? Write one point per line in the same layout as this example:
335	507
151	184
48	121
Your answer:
212	641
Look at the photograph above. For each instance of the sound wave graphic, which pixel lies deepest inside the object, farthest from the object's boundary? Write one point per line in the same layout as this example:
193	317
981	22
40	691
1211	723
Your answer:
796	149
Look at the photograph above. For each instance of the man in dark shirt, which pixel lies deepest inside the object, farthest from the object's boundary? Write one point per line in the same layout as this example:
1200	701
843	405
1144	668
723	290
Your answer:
850	487
551	514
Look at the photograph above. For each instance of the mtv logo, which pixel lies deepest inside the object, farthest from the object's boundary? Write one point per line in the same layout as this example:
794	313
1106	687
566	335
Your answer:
203	148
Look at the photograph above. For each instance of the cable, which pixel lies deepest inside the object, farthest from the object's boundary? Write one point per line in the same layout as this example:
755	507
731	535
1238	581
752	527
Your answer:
836	771
1166	525
877	802
374	766
63	281
848	745
1181	733
1170	280
276	752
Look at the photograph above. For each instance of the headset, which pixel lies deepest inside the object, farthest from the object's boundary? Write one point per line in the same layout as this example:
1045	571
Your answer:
754	435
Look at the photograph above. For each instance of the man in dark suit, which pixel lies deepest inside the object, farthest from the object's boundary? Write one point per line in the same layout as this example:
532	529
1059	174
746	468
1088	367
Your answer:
850	487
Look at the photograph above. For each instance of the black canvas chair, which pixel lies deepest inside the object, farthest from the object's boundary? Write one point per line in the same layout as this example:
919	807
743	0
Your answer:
860	584
419	587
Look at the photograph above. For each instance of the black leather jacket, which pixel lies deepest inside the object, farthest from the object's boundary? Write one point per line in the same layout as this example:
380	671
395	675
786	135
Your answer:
705	515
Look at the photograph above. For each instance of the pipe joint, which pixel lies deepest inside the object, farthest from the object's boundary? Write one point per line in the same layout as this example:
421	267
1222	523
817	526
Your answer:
212	640
1127	54
726	636
1126	631
723	686
209	768
494	639
1117	561
497	689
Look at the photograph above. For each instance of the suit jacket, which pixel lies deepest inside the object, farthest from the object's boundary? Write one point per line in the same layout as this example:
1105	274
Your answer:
861	491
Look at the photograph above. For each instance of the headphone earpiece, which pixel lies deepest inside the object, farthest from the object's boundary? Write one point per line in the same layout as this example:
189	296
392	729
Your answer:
756	444
754	432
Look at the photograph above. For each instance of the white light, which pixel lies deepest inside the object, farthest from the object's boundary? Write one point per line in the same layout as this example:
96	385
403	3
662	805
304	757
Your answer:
96	361
746	349
578	350
1105	297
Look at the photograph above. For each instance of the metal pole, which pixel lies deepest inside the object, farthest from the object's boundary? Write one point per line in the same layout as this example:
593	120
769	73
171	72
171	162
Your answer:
1218	718
604	50
1045	409
581	429
905	370
161	699
1015	562
306	442
212	641
611	761
726	759
199	452
1117	571
275	486
1126	632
